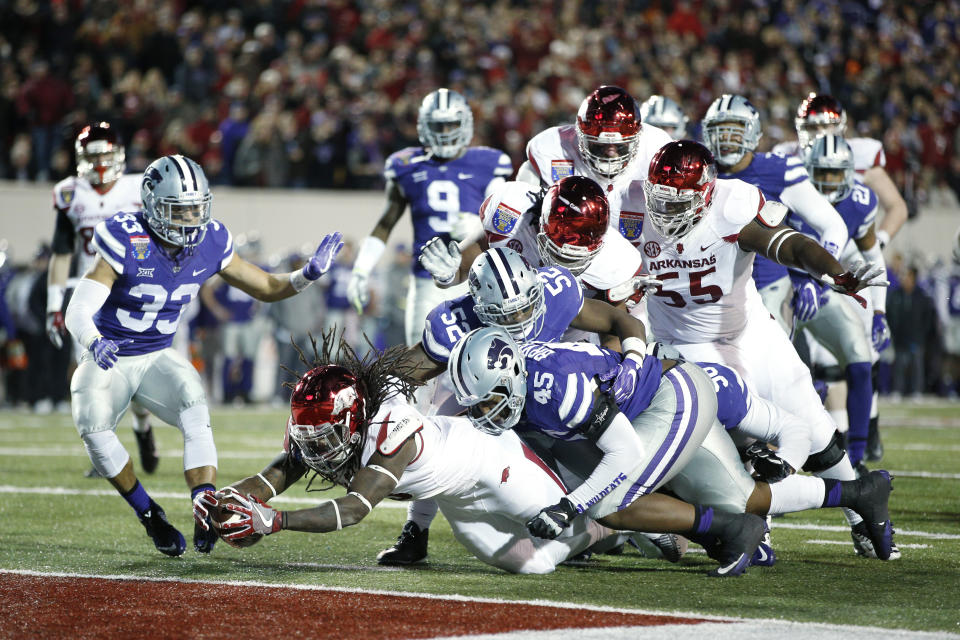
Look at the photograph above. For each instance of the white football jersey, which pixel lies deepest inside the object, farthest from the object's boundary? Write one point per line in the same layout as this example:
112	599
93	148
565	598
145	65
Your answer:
509	221
554	154
706	276
86	208
867	152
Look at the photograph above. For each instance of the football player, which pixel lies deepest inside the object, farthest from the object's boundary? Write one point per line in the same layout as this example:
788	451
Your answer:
821	113
443	182
98	191
351	425
609	144
665	113
150	264
661	431
827	317
731	130
700	243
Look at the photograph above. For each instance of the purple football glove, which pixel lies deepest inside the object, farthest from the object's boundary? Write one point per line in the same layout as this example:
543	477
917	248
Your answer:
881	332
627	374
105	351
807	299
321	261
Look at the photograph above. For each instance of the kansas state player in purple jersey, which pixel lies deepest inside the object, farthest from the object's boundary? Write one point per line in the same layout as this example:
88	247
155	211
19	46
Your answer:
731	130
663	432
444	182
505	290
150	264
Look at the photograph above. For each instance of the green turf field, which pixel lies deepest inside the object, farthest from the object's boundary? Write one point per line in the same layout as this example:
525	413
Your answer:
52	519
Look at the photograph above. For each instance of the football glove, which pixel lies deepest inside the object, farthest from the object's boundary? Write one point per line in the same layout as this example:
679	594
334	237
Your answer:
551	521
442	261
256	517
767	465
467	226
105	351
358	290
860	276
323	258
56	329
202	504
644	284
881	332
807	300
624	377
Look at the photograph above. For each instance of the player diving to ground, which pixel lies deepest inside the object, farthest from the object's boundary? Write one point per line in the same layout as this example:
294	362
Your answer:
125	311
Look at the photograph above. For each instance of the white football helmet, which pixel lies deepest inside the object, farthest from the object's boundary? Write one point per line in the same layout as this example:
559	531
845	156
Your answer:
101	158
664	112
489	379
829	161
731	129
176	200
445	123
507	292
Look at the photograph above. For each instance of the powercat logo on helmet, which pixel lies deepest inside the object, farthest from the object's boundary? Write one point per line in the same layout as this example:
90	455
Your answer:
499	355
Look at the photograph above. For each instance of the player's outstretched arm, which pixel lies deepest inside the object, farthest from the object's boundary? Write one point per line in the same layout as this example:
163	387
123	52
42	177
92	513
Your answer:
270	287
894	206
57	272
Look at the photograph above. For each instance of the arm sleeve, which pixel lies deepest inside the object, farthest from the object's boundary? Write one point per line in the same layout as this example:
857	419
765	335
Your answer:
87	299
64	235
621	450
808	203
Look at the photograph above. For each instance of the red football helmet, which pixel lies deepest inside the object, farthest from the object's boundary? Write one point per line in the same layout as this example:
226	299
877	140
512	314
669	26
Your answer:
679	187
101	159
573	220
608	130
327	413
819	114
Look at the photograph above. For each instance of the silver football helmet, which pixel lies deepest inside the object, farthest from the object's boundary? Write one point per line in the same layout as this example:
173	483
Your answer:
731	129
829	161
664	112
489	379
445	123
507	292
176	200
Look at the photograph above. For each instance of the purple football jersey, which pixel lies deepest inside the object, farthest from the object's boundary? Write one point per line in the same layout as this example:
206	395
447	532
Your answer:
152	288
733	401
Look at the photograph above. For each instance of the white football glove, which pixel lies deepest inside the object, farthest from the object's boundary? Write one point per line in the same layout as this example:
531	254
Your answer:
468	226
358	290
646	283
442	261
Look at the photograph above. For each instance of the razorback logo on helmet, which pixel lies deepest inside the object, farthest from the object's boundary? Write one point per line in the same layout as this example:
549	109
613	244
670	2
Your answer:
504	218
651	249
631	225
344	400
560	169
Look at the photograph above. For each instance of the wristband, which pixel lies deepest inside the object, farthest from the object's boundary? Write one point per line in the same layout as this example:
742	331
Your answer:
54	297
298	281
634	345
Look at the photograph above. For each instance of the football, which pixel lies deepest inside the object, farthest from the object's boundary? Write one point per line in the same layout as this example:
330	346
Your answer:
220	516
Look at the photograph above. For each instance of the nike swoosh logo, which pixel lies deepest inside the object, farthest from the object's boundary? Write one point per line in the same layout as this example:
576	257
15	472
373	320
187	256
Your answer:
198	272
731	566
702	248
267	523
464	176
762	554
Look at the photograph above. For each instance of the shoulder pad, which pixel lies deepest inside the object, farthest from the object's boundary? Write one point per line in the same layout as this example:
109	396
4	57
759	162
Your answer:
772	213
742	203
394	433
506	205
399	160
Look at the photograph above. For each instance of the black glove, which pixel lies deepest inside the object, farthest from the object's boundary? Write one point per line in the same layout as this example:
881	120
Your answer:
551	521
767	465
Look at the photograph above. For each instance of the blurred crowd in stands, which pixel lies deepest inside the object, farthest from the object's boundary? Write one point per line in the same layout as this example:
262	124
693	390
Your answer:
317	93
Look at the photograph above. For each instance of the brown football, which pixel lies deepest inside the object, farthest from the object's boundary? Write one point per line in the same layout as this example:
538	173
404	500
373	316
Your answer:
220	516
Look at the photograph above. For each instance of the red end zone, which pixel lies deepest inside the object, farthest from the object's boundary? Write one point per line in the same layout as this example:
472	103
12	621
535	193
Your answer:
59	607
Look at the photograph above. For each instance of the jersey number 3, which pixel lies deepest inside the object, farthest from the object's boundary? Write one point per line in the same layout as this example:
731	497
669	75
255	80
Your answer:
157	298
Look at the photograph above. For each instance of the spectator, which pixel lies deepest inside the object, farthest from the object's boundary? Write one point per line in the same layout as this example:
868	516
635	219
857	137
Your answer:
913	320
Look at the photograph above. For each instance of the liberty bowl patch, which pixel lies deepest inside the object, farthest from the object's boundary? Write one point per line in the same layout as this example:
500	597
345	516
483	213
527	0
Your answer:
505	219
141	247
560	169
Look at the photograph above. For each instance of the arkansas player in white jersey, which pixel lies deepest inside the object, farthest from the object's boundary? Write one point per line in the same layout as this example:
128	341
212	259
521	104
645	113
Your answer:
98	192
350	424
700	243
608	144
822	113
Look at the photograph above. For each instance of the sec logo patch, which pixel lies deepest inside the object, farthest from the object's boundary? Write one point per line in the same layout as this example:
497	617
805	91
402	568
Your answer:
651	249
516	245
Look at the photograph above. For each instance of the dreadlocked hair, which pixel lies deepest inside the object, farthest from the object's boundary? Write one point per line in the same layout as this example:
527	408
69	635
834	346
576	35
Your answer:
381	375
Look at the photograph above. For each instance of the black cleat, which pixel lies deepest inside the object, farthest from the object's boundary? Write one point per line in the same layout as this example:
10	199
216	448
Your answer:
658	545
411	547
165	536
736	545
148	450
203	541
872	506
874	452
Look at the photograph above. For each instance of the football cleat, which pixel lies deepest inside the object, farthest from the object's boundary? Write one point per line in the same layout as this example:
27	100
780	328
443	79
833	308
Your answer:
668	546
203	541
148	450
874	451
863	546
735	547
92	473
764	556
410	548
165	536
872	506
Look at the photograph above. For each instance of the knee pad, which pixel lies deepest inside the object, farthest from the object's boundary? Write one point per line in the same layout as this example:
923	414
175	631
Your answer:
198	447
828	457
106	453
